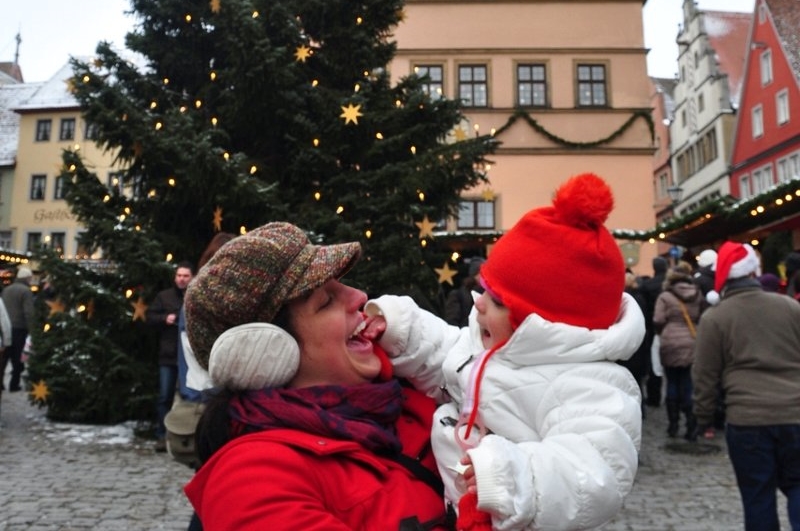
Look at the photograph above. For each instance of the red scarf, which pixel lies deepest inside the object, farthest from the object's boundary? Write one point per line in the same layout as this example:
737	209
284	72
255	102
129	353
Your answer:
363	413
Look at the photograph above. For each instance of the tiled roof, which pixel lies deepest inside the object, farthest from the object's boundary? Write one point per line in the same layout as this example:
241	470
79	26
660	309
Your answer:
11	96
786	15
728	34
12	71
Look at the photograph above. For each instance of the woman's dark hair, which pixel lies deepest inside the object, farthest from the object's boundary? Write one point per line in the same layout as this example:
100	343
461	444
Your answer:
219	239
214	427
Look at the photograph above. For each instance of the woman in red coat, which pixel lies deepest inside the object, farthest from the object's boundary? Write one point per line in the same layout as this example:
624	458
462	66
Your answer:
307	429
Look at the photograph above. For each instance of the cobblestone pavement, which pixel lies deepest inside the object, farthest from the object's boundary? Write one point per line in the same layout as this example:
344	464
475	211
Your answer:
68	477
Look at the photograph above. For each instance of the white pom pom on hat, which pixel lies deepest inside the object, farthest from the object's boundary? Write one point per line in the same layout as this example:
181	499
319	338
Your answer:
253	356
707	258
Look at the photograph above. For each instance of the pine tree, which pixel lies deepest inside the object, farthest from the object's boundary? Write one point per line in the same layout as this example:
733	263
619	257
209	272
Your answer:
241	113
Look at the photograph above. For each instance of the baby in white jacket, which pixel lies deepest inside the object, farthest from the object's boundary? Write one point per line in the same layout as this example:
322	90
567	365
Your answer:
539	428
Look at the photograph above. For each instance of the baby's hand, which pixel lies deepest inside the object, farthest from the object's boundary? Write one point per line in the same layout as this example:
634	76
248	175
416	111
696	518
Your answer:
376	326
469	475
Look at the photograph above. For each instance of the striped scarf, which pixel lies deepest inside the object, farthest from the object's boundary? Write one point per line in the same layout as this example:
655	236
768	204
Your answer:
365	413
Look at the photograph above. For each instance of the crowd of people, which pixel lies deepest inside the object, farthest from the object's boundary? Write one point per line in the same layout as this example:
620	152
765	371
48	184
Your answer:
519	401
301	403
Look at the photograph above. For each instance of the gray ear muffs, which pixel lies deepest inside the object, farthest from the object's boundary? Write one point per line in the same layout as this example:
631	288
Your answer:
253	356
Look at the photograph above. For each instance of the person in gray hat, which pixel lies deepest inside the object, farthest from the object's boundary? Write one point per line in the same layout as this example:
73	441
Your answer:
18	299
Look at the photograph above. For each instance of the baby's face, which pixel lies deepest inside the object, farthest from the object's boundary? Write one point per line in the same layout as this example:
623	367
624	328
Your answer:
493	319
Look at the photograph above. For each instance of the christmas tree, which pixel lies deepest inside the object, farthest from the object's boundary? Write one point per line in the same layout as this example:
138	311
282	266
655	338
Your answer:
241	113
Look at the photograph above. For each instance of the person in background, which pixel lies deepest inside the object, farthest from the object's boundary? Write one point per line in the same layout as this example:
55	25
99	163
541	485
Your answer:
308	429
651	288
539	426
163	315
675	318
459	301
704	275
18	300
750	344
770	282
792	263
638	363
191	381
5	339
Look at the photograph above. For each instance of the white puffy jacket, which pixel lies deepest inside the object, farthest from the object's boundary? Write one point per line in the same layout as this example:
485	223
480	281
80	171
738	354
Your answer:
563	420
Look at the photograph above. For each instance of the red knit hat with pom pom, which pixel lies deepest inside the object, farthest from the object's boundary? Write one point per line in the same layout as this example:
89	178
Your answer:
560	262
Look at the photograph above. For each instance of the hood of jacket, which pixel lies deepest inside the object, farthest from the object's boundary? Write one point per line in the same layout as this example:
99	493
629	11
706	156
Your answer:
540	342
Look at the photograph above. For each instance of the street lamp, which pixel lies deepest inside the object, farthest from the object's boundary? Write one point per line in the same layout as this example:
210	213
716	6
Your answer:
675	193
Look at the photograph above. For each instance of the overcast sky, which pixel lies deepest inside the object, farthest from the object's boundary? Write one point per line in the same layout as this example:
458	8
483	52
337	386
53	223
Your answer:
53	30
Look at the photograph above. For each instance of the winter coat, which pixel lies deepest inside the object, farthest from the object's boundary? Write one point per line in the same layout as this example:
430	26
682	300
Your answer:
166	302
677	341
18	299
563	419
750	343
5	326
285	479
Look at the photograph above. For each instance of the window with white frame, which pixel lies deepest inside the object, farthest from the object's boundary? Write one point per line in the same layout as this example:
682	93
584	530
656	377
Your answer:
57	241
757	115
434	85
473	86
114	181
766	67
744	187
476	214
67	130
58	189
592	88
81	250
794	165
782	167
90	133
762	13
5	239
38	186
762	179
782	106
43	128
663	185
33	242
531	85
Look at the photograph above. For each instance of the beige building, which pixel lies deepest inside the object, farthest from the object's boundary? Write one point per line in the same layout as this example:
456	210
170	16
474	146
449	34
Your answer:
49	122
564	88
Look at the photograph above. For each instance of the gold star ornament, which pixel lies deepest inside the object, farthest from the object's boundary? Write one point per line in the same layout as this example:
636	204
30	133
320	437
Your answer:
488	195
459	134
302	53
445	273
426	227
351	113
56	306
215	5
39	391
139	309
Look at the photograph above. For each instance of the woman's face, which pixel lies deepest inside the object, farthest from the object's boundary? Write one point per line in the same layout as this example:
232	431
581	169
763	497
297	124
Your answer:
493	320
326	325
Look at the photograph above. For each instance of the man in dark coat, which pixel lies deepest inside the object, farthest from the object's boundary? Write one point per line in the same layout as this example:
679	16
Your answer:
163	314
651	288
